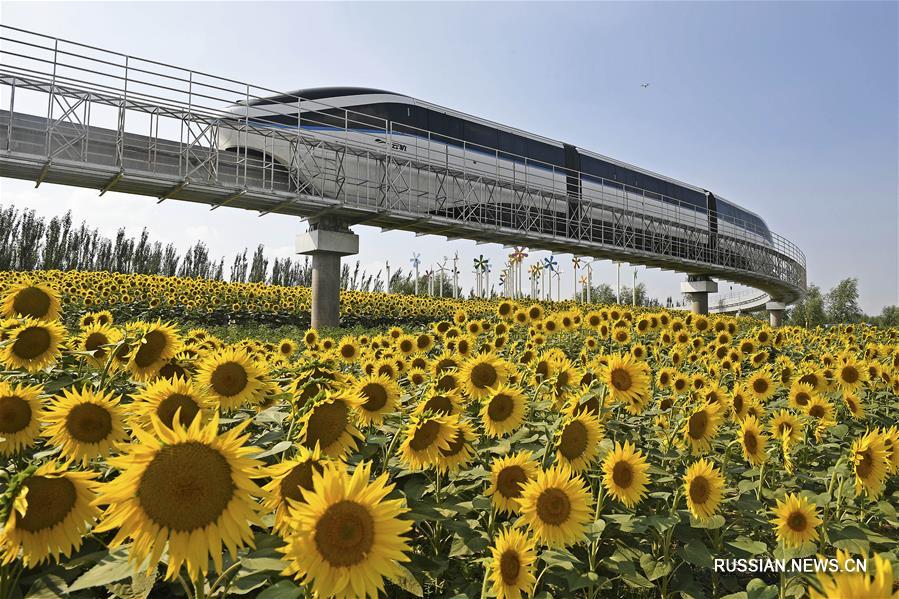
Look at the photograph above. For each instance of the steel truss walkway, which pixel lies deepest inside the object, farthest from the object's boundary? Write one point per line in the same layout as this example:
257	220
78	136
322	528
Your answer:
77	115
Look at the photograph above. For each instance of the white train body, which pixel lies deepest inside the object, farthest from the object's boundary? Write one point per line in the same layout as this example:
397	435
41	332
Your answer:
570	181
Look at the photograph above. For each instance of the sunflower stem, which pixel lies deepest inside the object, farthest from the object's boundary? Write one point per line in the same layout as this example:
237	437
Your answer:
200	587
224	577
186	587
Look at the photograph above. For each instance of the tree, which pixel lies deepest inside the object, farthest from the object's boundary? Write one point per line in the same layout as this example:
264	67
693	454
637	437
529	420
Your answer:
809	312
259	266
842	302
602	294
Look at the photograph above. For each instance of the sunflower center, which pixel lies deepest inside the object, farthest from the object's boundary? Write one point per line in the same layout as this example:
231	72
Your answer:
425	435
89	423
299	477
483	375
15	414
94	342
849	374
509	566
377	397
500	407
865	466
666	403
817	411
698	425
31	343
439	404
760	385
553	506
344	534
150	351
700	490
229	379
31	302
623	474
802	398
509	481
326	423
186	487
50	499
347	351
621	379
455	446
573	442
750	442
446	383
168	406
797	521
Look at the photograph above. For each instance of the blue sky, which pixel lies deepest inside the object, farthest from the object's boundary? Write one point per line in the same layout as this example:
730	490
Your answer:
789	109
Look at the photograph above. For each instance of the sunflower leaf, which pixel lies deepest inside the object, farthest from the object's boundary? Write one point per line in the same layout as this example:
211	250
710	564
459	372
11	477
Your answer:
283	589
112	568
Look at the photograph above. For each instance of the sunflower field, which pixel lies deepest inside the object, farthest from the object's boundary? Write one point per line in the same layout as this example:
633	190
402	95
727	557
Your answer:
445	449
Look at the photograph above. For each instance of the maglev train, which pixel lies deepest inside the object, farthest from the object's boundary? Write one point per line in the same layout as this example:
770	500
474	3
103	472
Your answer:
579	189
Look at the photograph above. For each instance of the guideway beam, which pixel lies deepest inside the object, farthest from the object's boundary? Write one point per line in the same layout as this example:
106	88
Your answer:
697	289
326	243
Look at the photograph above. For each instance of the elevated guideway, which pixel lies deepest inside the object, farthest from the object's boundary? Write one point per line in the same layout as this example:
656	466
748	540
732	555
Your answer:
76	115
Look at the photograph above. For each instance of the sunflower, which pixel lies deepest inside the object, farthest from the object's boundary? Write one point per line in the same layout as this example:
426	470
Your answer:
442	403
703	485
95	340
460	450
801	394
507	476
30	300
157	343
625	378
854	405
503	411
483	373
701	427
761	385
425	438
577	441
556	506
232	378
165	397
84	424
796	520
785	423
624	474
821	410
753	441
347	537
844	584
328	425
870	464
375	396
512	565
190	488
288	481
33	345
49	512
851	374
20	407
310	337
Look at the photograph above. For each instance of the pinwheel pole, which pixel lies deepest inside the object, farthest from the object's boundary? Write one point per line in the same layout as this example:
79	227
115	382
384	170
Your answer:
576	263
387	287
589	281
583	281
441	269
416	260
456	276
559	285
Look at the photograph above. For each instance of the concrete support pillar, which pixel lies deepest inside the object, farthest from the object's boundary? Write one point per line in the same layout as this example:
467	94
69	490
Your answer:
326	248
776	313
697	289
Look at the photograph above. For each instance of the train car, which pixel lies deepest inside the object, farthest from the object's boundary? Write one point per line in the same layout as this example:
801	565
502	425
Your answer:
581	193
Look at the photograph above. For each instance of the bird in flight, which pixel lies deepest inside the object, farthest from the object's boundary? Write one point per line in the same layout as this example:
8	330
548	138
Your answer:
644	85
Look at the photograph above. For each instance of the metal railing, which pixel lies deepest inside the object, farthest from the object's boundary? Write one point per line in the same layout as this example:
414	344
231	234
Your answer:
70	103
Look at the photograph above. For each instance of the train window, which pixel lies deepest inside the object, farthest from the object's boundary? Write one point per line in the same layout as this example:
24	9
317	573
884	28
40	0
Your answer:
332	117
541	152
515	145
368	116
479	135
445	128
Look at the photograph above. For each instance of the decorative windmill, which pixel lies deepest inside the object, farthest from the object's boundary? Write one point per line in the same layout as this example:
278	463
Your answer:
558	273
481	270
583	280
550	265
576	264
534	273
428	274
517	257
590	281
415	260
441	268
